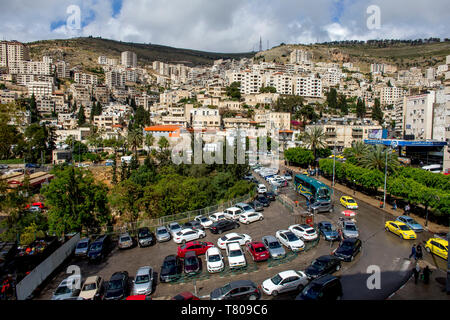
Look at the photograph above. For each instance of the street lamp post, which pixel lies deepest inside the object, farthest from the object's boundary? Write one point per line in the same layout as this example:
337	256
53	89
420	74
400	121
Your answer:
385	181
334	161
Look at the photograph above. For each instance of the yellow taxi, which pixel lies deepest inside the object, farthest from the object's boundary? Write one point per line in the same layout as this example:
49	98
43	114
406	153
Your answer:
400	229
349	202
438	247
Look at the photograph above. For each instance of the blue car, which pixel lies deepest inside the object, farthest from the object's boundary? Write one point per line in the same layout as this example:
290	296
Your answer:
327	231
410	222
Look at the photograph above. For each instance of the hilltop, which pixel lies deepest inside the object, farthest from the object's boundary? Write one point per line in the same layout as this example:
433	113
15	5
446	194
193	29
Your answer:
84	52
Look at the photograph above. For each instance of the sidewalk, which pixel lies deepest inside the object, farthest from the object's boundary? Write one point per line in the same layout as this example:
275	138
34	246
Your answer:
432	227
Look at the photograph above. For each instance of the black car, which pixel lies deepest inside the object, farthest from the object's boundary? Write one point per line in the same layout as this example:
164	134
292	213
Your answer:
348	249
195	225
325	288
171	269
323	265
237	290
223	225
270	195
192	264
118	286
263	200
146	237
99	249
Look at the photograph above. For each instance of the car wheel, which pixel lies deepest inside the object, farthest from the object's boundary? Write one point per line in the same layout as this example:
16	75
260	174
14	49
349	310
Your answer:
428	249
352	257
247	223
237	225
387	229
184	241
275	293
219	231
338	267
253	297
261	219
204	235
300	287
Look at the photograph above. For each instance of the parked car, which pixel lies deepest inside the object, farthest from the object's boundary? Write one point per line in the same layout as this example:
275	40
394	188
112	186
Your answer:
68	288
262	188
400	229
325	288
323	265
118	286
199	247
285	281
192	264
348	249
188	234
162	234
174	228
92	288
245	207
287	176
241	238
257	251
171	269
321	206
235	255
437	246
218	216
256	205
304	232
263	200
348	202
270	196
274	247
125	241
248	218
232	213
82	248
204	221
237	290
185	296
290	240
143	281
349	229
99	248
146	237
410	222
223	225
4	166
194	225
327	230
214	260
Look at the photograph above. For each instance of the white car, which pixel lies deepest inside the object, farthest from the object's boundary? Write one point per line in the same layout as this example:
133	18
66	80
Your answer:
214	260
249	217
188	234
290	240
218	216
232	213
245	207
236	257
68	288
285	281
174	228
262	188
204	221
233	237
304	232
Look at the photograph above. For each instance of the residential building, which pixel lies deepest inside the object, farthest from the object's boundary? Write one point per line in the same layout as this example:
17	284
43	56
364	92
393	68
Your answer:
129	59
205	118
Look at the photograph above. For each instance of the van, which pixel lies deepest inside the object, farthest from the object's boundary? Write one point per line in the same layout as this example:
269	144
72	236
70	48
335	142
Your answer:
435	168
232	213
99	248
126	159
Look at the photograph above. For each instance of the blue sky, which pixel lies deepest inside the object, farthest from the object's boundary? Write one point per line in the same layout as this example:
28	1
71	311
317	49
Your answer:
224	25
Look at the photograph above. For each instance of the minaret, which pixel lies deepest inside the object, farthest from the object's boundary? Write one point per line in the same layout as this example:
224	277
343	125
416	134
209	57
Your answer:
260	44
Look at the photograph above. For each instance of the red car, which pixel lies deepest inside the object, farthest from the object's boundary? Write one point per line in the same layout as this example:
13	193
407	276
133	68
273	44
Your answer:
199	247
258	251
185	296
36	204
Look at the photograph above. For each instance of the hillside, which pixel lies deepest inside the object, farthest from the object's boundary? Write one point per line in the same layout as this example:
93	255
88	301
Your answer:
362	55
85	52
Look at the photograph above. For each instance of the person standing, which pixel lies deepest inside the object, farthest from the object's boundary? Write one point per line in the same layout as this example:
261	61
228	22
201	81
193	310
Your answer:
426	275
419	252
407	208
416	272
413	252
394	206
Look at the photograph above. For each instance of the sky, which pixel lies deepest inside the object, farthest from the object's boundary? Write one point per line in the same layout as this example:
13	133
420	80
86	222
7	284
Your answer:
224	25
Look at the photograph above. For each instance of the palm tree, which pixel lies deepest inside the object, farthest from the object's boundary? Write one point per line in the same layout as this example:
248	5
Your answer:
149	140
314	139
357	151
134	139
375	158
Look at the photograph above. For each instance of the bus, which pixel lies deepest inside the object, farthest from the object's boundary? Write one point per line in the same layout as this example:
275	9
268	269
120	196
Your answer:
312	189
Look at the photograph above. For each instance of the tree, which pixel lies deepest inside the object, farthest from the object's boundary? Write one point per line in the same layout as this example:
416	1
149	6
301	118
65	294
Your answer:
375	158
377	113
234	90
343	106
289	103
299	156
332	99
81	117
314	138
33	109
149	140
268	90
134	140
36	138
125	197
360	108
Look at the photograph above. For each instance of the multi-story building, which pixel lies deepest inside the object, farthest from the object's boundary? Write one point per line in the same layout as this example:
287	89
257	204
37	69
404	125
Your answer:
7	96
389	95
129	59
308	86
278	120
45	105
81	93
418	116
40	89
85	78
62	69
205	118
12	52
115	78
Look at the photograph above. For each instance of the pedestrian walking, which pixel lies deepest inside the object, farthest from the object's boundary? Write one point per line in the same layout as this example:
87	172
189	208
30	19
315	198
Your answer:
413	252
426	275
419	254
394	206
407	208
416	272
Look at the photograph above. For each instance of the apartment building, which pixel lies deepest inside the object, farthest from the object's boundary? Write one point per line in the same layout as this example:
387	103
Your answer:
40	89
382	68
12	52
40	68
173	97
230	105
103	60
278	120
45	105
308	86
205	118
418	115
85	78
24	79
281	81
236	123
129	59
62	69
81	93
101	93
7	96
115	78
389	95
105	122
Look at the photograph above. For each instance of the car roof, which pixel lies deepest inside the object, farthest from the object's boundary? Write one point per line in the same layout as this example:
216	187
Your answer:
398	223
118	275
91	279
233	245
270	238
190	253
241	283
439	240
144	270
288	273
257	244
326	257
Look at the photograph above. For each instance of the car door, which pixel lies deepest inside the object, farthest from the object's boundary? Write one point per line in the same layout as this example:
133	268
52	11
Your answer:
284	239
190	235
287	284
393	227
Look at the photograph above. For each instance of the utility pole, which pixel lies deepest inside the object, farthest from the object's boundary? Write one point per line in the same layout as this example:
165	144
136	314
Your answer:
385	181
334	161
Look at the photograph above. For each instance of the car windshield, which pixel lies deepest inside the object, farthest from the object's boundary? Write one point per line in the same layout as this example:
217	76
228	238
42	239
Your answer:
350	201
144	234
323	193
312	290
225	289
203	219
114	285
162	231
144	278
82	245
235	253
123	239
96	246
246	207
274	245
260	249
291	236
62	290
346	245
404	227
350	227
190	261
318	263
89	287
175	226
310	231
214	258
276	280
411	221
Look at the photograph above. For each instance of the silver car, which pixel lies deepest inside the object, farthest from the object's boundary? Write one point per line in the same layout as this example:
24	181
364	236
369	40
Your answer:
245	207
349	230
68	288
143	282
321	206
162	234
274	247
174	228
125	241
82	247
